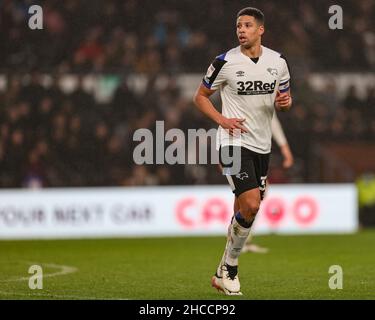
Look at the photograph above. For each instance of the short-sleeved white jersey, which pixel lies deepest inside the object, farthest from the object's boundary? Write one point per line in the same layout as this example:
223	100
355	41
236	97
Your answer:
248	90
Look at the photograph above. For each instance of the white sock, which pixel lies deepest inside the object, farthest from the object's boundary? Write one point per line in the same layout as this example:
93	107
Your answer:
238	237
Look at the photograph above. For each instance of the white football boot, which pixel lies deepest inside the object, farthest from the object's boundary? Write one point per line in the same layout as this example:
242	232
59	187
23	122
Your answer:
229	282
226	278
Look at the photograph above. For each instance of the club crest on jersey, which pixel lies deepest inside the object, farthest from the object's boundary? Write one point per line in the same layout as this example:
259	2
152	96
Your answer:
240	73
255	87
272	71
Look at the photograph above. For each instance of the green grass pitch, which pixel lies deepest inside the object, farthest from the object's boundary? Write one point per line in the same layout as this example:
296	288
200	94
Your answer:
296	267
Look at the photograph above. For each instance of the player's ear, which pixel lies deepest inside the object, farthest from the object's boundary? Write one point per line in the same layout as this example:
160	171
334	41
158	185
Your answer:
261	29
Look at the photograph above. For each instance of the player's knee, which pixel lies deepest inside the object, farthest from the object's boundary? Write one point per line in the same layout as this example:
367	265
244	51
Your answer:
250	208
254	208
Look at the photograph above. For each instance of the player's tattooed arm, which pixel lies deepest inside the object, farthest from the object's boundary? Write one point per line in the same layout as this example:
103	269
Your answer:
203	103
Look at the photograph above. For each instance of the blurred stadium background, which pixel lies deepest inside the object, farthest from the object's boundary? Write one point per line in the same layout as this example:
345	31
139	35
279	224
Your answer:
72	95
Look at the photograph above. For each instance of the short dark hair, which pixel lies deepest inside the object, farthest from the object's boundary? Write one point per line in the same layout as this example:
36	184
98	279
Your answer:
252	12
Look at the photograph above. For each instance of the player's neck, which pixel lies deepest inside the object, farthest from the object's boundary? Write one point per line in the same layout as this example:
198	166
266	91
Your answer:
254	51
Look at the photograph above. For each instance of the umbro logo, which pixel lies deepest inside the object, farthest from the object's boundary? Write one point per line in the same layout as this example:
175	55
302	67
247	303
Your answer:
242	175
240	73
272	71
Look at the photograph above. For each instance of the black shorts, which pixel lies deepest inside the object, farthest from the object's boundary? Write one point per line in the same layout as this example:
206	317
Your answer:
252	174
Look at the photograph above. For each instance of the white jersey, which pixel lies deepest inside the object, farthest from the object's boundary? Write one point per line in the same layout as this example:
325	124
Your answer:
248	90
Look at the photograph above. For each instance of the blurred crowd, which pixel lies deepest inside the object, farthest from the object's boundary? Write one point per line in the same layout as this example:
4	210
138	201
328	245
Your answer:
177	36
51	138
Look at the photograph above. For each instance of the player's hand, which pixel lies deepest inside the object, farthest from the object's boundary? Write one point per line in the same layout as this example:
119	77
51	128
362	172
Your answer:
233	125
283	101
288	156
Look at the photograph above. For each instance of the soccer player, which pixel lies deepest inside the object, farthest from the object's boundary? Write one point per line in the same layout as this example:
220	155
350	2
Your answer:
288	160
253	80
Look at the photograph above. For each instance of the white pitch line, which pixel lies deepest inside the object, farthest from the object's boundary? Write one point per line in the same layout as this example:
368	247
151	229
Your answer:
57	296
64	270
